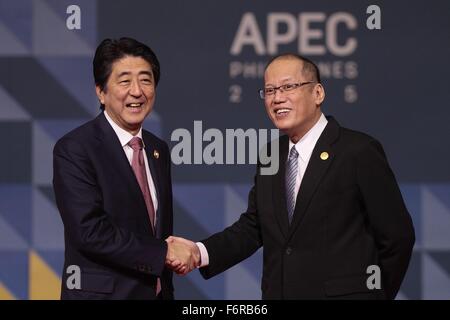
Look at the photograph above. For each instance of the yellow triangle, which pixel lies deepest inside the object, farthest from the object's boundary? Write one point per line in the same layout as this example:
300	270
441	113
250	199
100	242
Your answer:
5	294
44	282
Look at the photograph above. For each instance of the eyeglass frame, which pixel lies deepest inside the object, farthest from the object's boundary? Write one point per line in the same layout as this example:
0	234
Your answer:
262	93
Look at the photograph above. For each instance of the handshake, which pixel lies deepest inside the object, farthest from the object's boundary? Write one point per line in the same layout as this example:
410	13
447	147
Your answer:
182	255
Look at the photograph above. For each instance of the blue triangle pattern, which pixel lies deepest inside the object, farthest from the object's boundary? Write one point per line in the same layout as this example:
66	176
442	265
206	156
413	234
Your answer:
412	197
14	272
88	8
442	192
15	207
17	17
58	128
54	258
204	202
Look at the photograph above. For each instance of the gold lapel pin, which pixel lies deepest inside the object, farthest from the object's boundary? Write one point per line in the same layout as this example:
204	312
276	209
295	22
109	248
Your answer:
324	155
156	154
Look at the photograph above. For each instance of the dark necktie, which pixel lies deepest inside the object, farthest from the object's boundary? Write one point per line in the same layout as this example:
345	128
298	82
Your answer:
291	177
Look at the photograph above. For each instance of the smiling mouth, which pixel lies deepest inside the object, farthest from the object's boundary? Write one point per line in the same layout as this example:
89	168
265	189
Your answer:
281	111
134	105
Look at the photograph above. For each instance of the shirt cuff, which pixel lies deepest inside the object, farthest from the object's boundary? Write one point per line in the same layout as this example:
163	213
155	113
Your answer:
204	257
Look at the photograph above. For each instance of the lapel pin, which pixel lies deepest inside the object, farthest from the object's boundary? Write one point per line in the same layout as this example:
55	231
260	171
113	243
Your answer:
324	155
156	154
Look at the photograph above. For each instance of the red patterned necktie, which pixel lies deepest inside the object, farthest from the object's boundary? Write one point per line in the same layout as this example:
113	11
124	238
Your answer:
138	166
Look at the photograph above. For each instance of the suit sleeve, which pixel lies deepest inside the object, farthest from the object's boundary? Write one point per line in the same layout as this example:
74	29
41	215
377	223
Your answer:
235	243
87	226
389	219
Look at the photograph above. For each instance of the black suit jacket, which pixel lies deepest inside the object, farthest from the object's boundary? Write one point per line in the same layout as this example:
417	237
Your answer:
349	215
106	225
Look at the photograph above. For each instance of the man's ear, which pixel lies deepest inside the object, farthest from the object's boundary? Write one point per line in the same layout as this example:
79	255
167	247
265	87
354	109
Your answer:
100	94
319	93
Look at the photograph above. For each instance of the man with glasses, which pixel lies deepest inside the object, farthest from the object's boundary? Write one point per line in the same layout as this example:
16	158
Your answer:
332	221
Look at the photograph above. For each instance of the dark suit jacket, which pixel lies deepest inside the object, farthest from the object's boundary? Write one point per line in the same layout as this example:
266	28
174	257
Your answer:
106	226
349	215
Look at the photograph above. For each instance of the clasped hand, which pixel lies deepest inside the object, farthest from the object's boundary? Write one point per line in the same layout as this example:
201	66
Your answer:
182	255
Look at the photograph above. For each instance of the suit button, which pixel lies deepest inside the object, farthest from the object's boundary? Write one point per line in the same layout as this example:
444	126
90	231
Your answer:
288	250
141	268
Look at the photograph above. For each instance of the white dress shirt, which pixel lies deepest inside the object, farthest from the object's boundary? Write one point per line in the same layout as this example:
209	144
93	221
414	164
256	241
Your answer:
125	137
305	147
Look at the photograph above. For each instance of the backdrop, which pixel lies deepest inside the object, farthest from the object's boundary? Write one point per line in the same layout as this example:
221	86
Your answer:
389	82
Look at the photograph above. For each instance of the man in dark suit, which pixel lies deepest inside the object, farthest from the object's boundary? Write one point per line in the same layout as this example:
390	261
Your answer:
113	187
332	213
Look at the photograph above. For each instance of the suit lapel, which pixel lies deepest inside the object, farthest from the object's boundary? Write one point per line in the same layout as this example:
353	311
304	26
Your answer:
155	168
114	155
279	189
321	159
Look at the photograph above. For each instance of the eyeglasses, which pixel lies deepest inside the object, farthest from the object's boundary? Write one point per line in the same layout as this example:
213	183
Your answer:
270	91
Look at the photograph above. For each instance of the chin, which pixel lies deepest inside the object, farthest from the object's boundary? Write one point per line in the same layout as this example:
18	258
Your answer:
283	125
134	120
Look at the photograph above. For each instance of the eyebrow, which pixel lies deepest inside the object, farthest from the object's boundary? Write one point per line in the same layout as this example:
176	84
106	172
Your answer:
126	73
283	81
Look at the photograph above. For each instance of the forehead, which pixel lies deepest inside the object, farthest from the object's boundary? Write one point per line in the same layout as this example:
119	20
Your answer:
282	70
130	64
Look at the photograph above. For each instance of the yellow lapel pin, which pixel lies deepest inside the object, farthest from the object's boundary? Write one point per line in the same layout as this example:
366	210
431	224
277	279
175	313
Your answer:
156	154
324	155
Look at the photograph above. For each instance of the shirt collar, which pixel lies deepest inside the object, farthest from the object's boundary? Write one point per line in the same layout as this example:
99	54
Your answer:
306	144
123	135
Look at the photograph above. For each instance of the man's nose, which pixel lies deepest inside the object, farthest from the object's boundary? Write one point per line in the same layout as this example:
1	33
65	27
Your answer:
278	96
135	89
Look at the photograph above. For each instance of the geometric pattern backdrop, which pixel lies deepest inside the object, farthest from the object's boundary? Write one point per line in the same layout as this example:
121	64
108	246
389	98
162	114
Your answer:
41	68
44	94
